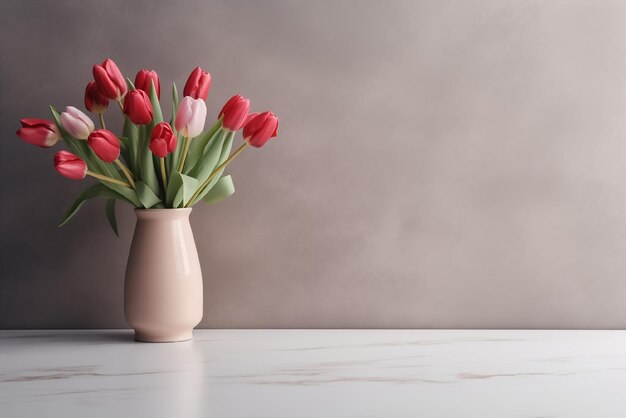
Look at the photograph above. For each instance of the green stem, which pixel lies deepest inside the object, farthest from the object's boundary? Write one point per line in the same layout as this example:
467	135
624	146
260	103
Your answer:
107	178
183	155
126	172
163	175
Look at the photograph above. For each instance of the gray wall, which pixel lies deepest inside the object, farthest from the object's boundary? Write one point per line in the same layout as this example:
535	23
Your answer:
440	164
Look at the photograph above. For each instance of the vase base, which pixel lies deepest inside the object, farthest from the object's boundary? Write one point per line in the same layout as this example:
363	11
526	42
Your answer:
162	337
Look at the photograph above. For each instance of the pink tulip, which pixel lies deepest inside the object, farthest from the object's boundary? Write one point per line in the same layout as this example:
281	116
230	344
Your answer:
40	132
198	84
145	78
162	140
76	123
110	80
190	117
105	145
137	107
94	100
69	165
235	111
260	129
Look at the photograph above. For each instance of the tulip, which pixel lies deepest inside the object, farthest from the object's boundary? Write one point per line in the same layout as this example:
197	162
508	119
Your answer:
69	165
76	123
72	167
40	132
163	141
105	145
198	84
110	80
260	129
235	111
190	117
189	122
145	78
137	107
95	101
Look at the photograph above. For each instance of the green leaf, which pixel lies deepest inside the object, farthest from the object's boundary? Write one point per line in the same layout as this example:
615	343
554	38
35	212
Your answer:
96	190
156	106
172	159
146	195
210	159
128	194
146	164
220	191
174	184
228	144
174	104
110	211
131	86
199	144
180	189
131	131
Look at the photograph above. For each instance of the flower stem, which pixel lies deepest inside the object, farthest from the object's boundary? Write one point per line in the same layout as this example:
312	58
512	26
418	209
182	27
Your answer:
126	172
183	155
215	173
119	102
107	178
101	116
163	175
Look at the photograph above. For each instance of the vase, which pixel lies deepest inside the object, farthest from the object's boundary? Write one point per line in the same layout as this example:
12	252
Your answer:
163	286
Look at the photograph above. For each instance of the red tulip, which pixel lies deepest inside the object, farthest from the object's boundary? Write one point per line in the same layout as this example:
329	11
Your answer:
162	141
138	107
94	100
145	78
40	132
260	129
105	144
235	111
69	165
110	80
198	84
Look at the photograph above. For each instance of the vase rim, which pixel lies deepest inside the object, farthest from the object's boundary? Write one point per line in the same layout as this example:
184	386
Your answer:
178	213
163	209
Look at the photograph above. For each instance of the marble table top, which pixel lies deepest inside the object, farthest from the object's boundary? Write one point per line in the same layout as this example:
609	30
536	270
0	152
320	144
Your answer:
315	373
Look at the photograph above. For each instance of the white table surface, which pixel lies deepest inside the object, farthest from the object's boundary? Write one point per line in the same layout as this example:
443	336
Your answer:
315	373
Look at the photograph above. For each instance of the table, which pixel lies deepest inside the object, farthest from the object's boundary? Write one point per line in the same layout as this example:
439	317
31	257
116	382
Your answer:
315	373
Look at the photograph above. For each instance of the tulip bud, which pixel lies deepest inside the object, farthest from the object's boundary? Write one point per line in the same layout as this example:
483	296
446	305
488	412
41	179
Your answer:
76	123
198	84
260	129
69	165
190	117
162	140
110	80
40	132
94	100
235	111
145	78
137	107
105	145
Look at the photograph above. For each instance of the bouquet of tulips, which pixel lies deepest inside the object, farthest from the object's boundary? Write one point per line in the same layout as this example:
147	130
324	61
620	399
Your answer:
153	163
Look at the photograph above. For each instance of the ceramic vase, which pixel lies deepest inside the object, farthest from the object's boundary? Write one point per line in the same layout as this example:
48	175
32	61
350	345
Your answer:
163	286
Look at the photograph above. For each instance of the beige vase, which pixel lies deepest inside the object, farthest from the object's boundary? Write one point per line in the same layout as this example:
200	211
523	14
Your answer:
163	288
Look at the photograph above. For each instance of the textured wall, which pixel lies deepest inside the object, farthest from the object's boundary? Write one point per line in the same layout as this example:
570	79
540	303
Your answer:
441	163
